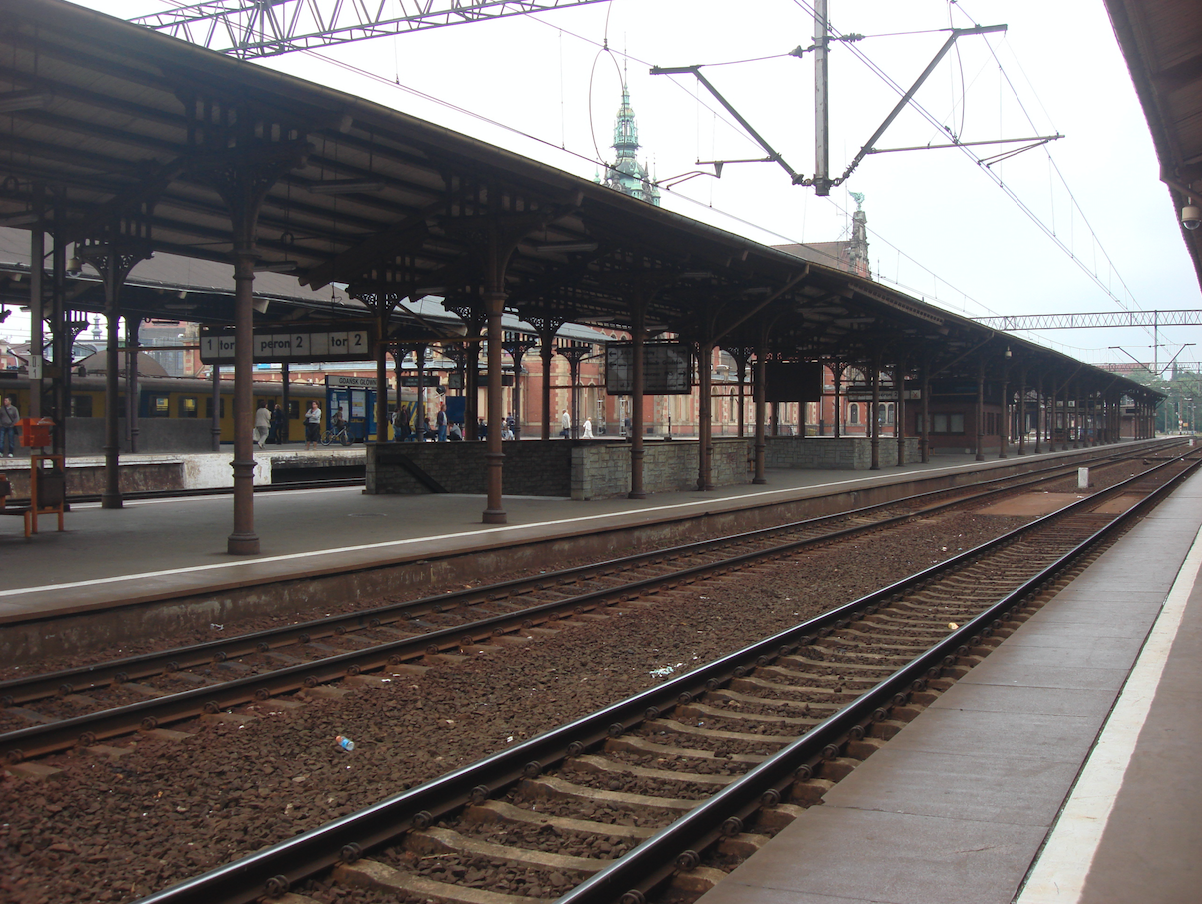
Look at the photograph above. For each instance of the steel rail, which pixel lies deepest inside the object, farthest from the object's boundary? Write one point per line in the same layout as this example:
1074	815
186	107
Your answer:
275	869
146	715
632	876
66	681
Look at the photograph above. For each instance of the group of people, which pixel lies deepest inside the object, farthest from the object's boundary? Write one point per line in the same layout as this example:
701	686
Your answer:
565	421
269	423
442	430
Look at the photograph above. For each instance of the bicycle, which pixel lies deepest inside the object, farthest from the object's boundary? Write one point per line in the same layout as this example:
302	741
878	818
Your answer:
340	435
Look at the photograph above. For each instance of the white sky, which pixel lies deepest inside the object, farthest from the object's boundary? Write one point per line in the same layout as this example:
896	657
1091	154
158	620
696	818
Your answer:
939	228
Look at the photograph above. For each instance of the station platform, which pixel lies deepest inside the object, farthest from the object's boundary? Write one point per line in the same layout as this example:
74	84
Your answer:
175	548
189	471
1063	769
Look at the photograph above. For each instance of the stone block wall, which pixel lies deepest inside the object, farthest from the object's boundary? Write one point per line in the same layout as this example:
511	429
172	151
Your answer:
531	467
845	453
602	470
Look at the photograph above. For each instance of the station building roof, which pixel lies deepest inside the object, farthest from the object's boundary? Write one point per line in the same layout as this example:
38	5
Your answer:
108	126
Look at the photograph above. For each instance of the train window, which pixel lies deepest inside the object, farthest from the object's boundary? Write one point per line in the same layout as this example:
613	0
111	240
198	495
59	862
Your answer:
158	404
293	409
81	406
209	407
188	406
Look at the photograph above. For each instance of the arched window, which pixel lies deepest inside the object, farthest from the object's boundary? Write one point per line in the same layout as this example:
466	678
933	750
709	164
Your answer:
853	413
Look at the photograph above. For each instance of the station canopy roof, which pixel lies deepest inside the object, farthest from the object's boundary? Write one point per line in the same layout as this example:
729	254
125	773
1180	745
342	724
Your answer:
125	131
1162	43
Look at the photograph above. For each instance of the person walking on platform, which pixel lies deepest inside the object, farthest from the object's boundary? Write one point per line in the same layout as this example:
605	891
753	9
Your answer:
312	425
565	421
8	427
441	421
262	424
276	436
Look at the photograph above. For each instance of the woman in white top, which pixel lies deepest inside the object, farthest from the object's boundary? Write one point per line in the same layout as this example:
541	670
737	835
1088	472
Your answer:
312	425
262	424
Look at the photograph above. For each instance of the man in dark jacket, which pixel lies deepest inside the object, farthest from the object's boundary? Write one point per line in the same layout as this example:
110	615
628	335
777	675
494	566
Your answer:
8	427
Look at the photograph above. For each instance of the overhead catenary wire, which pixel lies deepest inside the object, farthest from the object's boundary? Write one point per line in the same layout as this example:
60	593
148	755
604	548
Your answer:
983	165
598	159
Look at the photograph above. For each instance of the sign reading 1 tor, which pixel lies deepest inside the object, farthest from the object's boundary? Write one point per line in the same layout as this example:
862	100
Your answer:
303	346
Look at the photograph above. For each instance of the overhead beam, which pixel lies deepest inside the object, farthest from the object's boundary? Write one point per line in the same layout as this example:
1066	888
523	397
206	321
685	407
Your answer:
1091	320
252	28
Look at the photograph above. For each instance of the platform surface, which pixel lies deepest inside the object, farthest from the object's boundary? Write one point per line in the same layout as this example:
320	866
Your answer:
179	545
1080	732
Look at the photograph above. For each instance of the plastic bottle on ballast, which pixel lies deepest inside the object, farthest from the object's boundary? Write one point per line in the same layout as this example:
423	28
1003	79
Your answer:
344	742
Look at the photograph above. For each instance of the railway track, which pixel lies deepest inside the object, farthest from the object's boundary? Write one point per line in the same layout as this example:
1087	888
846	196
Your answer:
43	714
659	794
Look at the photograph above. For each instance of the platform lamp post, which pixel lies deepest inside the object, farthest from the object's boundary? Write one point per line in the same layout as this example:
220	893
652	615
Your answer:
517	344
575	351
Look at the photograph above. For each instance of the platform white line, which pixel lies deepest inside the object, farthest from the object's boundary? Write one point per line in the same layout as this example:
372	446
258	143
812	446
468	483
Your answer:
1061	869
409	541
397	544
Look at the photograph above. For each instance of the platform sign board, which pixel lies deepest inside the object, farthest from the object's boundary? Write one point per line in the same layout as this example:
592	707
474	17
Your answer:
409	381
309	344
339	381
667	368
792	381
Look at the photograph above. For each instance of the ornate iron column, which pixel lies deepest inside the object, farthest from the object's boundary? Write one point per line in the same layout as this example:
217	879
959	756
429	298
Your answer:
285	400
1038	386
216	400
742	355
874	420
114	253
638	452
132	346
980	456
761	394
1022	410
517	345
244	152
575	353
924	441
37	323
1003	438
705	439
546	326
899	380
475	318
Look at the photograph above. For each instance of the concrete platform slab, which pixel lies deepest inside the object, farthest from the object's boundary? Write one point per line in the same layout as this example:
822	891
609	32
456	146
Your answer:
983	788
989	696
897	858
